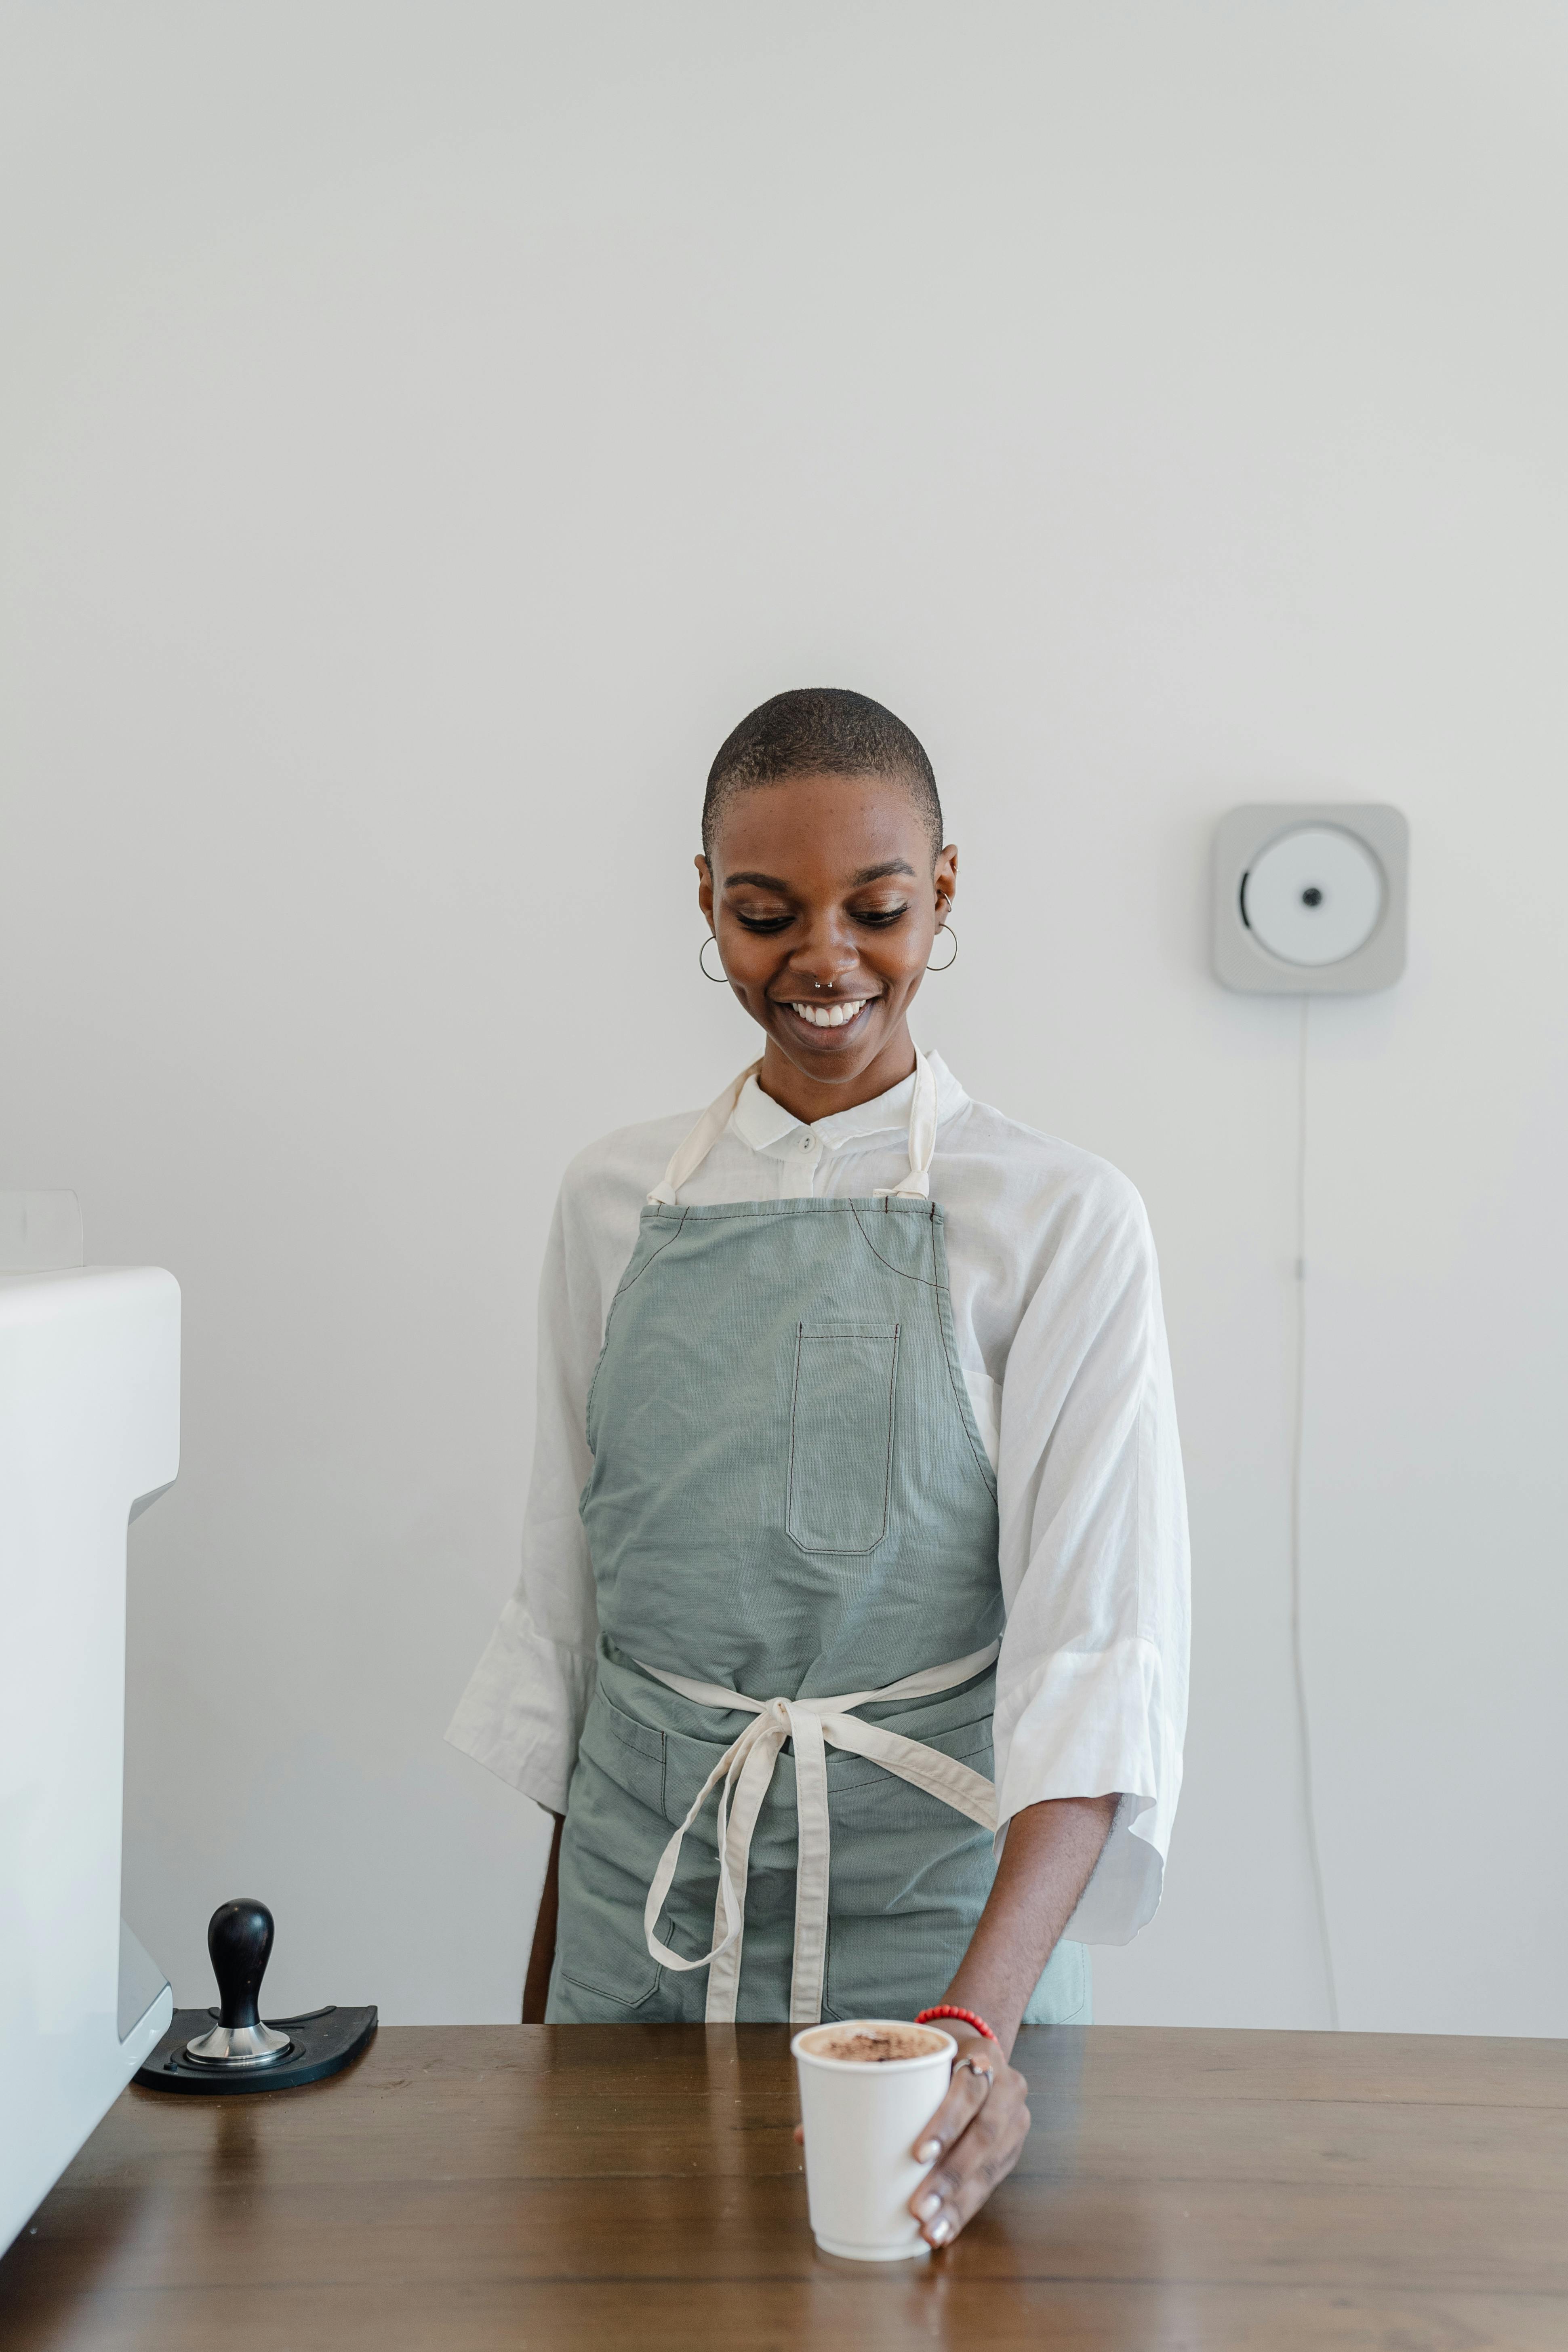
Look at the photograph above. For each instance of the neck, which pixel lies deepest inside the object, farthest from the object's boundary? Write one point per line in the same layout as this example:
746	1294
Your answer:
809	1098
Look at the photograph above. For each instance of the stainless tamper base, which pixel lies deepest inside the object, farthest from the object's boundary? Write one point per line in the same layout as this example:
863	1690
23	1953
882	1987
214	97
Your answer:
238	2045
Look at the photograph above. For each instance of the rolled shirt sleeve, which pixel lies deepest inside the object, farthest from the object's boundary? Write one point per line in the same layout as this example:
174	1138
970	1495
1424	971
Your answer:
522	1713
1091	1692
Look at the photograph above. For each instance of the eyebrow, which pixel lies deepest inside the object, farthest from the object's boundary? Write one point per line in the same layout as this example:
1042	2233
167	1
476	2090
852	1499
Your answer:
858	881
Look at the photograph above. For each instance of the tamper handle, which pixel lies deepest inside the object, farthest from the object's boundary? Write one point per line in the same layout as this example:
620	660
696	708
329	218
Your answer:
240	1944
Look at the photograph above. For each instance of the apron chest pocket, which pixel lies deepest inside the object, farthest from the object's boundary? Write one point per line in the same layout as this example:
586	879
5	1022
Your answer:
841	1435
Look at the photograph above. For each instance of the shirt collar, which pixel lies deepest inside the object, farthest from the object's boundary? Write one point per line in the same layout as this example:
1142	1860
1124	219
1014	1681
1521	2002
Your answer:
762	1123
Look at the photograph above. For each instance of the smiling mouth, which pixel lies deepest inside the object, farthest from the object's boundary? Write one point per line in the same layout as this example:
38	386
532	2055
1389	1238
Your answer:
841	1015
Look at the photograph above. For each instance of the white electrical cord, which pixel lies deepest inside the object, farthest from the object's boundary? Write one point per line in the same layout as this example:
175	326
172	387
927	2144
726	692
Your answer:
1297	1436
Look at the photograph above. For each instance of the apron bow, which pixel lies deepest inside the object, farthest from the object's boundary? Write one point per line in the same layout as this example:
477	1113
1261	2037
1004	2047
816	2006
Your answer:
743	1776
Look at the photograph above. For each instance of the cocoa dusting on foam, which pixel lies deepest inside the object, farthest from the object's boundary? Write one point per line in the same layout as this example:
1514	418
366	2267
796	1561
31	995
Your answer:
874	2045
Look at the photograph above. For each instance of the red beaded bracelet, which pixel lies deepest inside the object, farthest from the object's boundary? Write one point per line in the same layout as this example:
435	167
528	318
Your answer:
966	2015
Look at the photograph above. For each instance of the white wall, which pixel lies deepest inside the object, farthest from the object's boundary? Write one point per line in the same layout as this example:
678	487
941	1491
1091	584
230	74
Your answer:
430	427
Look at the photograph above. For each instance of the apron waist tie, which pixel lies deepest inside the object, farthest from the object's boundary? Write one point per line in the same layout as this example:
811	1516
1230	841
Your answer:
745	1771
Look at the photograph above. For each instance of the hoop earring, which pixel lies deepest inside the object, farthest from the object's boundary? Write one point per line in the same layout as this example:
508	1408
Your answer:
720	979
952	959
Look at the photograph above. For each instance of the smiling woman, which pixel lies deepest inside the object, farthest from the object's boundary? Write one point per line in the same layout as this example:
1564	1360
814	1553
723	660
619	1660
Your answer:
859	780
824	898
857	1441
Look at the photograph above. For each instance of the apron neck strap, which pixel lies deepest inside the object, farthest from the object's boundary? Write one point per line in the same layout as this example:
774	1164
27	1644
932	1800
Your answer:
916	1185
689	1156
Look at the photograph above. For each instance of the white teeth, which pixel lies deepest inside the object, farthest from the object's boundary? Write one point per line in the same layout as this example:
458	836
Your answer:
829	1016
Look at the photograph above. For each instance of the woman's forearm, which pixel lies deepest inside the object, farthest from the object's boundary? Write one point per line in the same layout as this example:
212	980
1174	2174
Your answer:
542	1953
1046	1862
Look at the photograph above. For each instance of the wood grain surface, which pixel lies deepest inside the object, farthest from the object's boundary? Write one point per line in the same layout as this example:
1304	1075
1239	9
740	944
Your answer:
467	2188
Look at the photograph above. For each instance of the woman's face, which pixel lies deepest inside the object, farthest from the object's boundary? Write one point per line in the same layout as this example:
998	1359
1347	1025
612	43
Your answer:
824	900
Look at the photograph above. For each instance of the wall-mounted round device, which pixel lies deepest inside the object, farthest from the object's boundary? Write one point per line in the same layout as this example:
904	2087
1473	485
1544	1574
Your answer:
1314	895
1309	897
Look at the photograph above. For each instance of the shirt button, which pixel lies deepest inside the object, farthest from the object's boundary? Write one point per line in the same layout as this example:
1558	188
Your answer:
808	1142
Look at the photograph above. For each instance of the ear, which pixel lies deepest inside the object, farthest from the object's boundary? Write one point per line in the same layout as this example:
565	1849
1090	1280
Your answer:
944	878
704	887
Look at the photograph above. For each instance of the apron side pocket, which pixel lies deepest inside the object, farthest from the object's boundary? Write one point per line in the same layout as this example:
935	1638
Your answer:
629	1753
841	1436
610	1999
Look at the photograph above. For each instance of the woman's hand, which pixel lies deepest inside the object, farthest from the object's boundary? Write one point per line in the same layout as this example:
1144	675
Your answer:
976	2135
973	2140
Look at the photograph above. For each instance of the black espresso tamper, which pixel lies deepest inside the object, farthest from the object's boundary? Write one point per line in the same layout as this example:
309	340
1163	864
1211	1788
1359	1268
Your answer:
240	1944
239	2053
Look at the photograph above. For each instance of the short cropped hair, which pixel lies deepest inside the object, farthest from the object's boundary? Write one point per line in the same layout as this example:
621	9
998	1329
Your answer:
820	730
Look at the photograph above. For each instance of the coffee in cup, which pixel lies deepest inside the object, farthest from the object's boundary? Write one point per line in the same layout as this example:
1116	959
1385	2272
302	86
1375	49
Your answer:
872	2045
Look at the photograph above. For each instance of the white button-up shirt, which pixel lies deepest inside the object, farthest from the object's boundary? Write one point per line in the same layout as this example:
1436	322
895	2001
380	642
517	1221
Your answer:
1056	1301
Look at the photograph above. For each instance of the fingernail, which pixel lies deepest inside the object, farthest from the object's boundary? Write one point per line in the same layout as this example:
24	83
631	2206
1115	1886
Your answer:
928	2206
928	2152
939	2230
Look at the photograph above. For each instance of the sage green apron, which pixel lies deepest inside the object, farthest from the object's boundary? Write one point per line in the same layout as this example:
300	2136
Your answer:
782	1806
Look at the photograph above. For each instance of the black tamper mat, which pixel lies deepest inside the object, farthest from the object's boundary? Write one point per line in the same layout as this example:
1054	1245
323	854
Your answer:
218	2052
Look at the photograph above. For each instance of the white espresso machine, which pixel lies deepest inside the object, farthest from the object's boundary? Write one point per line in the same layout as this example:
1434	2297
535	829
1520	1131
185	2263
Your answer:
90	1436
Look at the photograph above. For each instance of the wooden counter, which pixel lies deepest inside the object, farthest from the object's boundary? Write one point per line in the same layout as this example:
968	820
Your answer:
473	2187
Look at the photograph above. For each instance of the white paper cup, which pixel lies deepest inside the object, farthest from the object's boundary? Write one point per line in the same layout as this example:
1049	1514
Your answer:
861	2122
